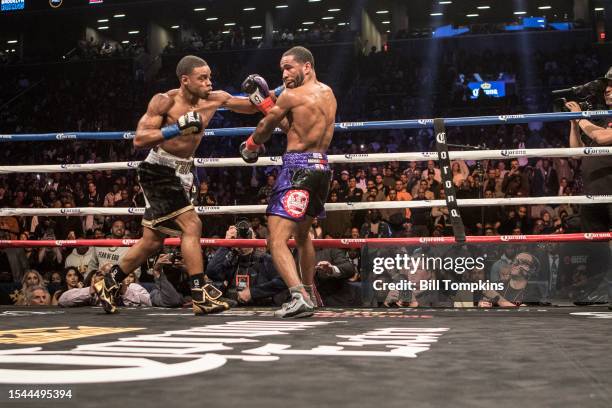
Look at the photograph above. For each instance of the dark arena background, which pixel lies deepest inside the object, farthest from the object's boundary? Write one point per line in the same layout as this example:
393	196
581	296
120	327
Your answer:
464	258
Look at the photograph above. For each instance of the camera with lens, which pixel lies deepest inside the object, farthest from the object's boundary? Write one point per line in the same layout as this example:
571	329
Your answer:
243	229
589	96
175	255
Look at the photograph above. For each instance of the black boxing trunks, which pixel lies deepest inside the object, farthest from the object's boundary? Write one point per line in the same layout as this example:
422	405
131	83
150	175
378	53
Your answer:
166	181
301	187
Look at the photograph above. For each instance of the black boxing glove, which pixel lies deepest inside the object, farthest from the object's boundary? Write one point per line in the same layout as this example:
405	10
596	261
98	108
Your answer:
188	124
249	150
259	93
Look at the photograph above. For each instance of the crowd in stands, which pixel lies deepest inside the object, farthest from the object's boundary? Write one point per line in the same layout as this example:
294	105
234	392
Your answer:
383	86
241	38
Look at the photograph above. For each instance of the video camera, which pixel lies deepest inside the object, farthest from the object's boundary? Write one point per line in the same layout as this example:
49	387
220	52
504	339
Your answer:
589	96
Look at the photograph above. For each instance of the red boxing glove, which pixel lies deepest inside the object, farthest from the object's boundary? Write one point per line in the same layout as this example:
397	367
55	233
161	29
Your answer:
251	145
259	93
249	150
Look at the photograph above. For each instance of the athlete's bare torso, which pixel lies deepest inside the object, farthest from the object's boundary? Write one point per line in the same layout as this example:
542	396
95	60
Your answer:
311	117
169	107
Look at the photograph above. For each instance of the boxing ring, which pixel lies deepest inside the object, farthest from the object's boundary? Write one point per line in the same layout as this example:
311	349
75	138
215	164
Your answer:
445	352
597	242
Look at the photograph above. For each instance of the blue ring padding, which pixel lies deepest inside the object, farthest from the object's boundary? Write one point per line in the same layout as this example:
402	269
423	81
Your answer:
339	127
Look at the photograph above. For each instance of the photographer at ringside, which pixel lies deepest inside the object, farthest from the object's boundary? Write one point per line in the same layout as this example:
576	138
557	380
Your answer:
596	170
245	275
597	178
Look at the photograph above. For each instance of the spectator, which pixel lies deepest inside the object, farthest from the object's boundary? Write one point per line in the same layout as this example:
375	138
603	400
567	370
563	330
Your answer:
354	194
432	169
333	269
245	275
112	255
519	290
545	182
336	223
31	279
375	226
79	258
37	296
165	294
71	278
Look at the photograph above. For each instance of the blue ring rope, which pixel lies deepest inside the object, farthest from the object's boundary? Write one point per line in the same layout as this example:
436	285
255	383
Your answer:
339	127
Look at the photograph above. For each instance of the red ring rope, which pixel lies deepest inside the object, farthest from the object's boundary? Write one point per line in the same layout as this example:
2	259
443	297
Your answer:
321	243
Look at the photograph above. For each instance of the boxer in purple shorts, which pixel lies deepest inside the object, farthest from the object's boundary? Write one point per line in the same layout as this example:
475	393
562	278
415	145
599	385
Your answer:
306	111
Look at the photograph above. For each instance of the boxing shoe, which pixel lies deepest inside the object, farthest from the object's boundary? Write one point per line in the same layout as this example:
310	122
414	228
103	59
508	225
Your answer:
208	300
313	294
297	307
107	289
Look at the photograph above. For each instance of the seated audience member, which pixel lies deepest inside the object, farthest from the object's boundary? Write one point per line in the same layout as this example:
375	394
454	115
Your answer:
518	290
37	296
333	269
30	279
165	294
70	279
246	275
336	223
428	297
55	278
131	294
375	226
79	258
103	255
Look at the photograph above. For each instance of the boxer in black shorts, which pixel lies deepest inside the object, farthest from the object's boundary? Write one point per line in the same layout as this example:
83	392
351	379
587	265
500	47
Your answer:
173	127
308	109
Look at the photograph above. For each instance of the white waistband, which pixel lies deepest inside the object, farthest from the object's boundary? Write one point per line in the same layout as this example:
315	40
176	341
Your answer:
162	157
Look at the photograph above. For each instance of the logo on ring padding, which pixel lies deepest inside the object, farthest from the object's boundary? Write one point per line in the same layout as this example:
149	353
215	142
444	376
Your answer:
596	235
70	210
588	114
508	238
135	210
64	136
347	125
596	150
208	209
426	240
504	118
513	152
202	160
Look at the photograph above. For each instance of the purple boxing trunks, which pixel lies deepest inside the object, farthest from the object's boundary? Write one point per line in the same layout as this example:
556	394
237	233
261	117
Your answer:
301	187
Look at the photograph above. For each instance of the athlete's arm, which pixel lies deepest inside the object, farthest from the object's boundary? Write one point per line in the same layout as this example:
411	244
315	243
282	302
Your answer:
238	104
148	132
273	119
